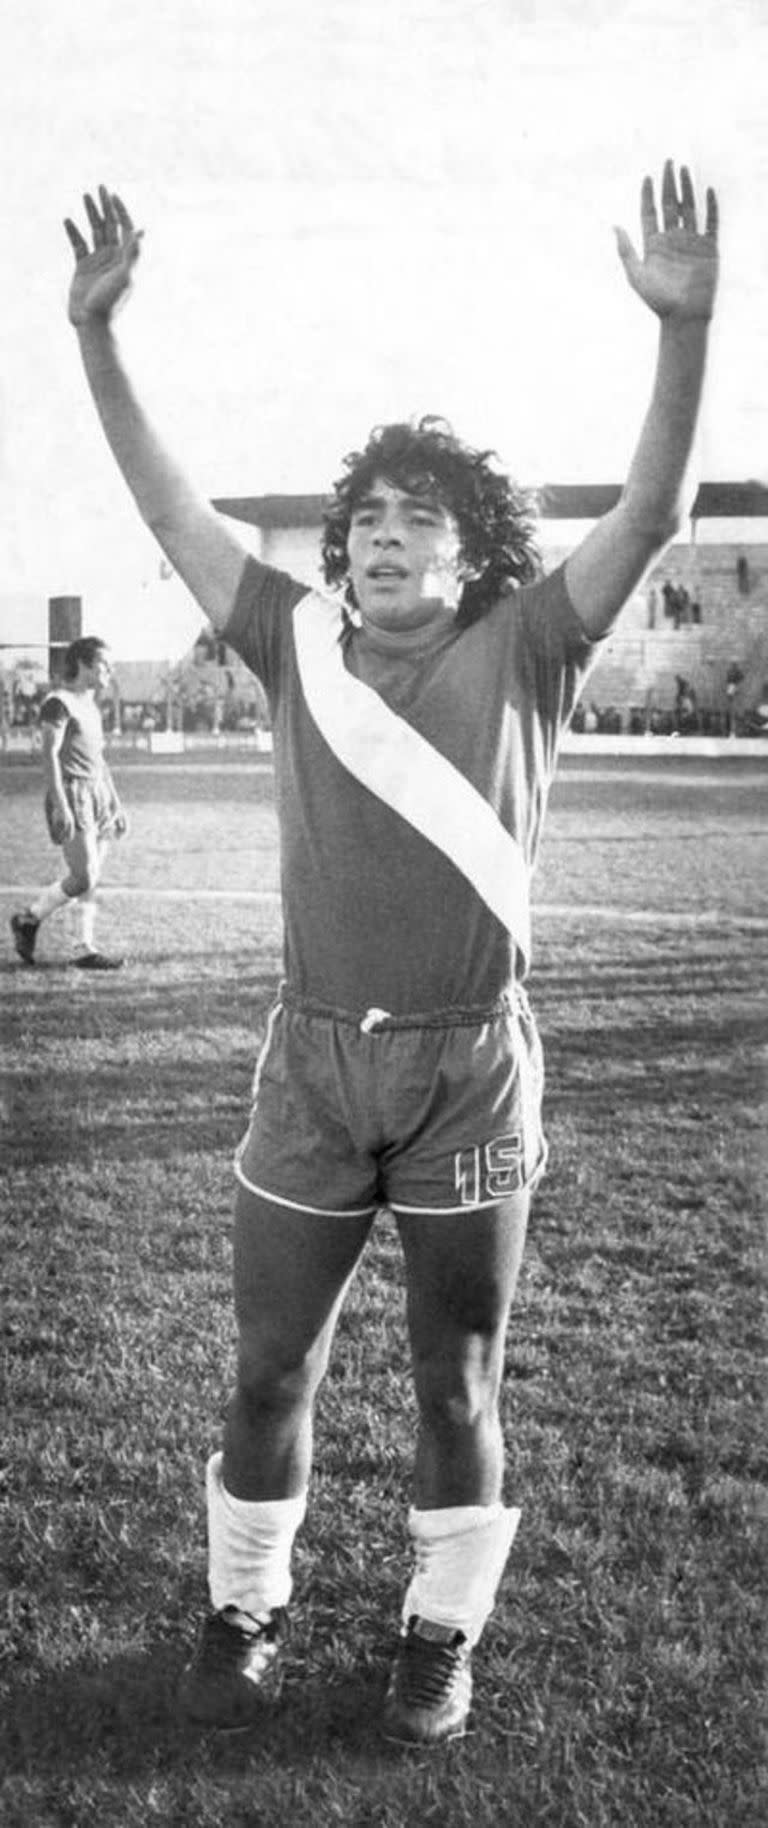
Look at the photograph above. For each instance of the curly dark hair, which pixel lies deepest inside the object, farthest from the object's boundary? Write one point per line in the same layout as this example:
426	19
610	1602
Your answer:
496	518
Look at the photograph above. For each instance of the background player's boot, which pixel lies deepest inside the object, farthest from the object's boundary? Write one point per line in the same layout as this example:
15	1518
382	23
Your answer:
24	928
233	1664
430	1688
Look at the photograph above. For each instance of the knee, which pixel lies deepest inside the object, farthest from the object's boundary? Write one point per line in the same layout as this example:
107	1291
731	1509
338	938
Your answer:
458	1355
272	1381
81	880
458	1392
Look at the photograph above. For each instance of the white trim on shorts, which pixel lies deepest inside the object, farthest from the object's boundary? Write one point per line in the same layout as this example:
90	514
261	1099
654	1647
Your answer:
364	1212
447	1212
319	1212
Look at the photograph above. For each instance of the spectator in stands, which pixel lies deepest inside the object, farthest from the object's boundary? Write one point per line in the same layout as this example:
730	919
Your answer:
733	679
686	714
669	594
610	721
659	721
754	721
677	604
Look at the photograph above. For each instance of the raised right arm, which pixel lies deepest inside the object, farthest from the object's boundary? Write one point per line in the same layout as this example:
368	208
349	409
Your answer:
196	540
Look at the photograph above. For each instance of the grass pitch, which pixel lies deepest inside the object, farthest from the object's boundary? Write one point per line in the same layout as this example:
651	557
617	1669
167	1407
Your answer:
621	1681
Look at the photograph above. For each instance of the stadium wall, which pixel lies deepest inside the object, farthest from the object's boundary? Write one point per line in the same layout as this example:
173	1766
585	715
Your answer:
641	660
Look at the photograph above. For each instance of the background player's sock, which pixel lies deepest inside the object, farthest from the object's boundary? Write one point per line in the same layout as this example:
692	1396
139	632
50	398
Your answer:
48	901
85	914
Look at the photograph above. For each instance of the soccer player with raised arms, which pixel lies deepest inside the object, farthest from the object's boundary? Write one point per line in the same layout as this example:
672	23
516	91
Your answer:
416	710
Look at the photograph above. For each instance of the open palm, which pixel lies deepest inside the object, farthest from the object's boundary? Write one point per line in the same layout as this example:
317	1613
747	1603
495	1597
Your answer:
103	273
677	276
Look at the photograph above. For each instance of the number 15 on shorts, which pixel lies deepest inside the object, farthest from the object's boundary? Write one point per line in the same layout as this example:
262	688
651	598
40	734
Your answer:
489	1171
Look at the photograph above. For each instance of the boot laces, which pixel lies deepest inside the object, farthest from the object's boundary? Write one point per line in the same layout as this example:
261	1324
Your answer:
227	1642
428	1669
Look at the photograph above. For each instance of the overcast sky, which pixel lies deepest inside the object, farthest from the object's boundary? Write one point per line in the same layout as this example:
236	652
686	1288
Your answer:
355	211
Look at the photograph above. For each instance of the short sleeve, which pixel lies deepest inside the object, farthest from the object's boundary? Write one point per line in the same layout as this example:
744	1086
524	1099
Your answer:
554	650
550	624
257	626
53	711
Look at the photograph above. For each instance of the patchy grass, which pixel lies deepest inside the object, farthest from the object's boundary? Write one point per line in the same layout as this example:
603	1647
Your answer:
621	1682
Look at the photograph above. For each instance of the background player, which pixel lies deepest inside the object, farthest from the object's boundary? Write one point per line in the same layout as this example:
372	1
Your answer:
82	807
415	741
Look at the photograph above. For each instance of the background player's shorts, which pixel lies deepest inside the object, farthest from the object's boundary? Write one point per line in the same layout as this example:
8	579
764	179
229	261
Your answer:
92	806
435	1113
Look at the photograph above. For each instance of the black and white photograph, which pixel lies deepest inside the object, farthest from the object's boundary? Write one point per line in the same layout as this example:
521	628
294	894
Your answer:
384	902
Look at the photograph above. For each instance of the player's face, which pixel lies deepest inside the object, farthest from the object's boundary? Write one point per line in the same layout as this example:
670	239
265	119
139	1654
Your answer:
404	558
98	675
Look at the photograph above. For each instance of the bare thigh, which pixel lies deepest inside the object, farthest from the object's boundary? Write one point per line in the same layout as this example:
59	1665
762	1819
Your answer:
461	1273
291	1272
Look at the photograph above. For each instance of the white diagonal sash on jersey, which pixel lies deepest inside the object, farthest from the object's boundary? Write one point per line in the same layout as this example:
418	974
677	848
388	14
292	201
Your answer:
393	761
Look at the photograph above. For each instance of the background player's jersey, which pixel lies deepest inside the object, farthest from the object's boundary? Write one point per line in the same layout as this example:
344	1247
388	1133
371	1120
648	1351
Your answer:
81	755
412	782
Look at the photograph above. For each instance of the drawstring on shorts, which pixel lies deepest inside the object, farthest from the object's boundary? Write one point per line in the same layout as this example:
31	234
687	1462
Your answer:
375	1020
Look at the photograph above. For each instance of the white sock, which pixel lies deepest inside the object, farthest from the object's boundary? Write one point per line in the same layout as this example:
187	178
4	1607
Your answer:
460	1558
48	901
85	915
249	1547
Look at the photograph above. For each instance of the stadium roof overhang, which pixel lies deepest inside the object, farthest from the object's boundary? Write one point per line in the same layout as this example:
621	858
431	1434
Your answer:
557	501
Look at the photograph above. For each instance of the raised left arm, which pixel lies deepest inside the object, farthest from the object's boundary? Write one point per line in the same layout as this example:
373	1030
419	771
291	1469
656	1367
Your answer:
677	279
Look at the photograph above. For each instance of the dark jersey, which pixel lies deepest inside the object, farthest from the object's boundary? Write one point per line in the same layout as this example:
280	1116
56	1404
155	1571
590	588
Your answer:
81	755
411	784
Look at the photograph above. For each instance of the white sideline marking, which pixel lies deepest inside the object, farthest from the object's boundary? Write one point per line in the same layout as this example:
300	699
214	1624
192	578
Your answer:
545	910
260	763
702	776
672	917
129	892
645	777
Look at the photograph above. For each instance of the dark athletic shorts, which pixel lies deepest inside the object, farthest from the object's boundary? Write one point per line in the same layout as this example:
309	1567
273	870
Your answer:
431	1113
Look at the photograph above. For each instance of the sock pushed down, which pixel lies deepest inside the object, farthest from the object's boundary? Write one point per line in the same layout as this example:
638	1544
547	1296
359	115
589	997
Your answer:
461	1553
249	1547
48	901
85	911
